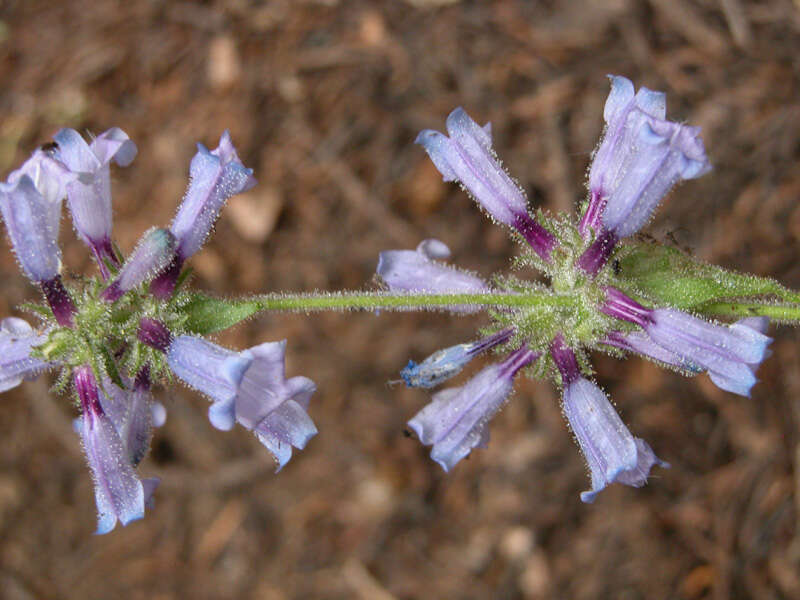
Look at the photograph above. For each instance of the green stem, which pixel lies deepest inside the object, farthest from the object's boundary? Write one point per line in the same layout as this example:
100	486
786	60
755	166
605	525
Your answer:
205	314
402	302
778	312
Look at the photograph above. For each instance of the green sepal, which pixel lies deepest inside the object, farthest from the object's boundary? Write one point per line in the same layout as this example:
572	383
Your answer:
182	277
110	367
205	314
673	278
37	309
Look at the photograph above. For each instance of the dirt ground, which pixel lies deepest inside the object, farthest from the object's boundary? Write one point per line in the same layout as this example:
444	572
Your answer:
323	99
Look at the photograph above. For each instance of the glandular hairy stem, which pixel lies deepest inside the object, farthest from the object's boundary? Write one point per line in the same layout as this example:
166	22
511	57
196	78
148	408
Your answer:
409	301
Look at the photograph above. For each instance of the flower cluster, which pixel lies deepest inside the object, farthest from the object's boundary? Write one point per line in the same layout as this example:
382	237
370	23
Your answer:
114	336
640	157
120	332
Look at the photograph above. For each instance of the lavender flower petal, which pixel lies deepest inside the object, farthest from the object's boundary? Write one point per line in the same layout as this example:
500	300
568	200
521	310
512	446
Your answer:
611	452
273	407
456	420
30	202
118	492
158	414
215	176
89	197
410	270
415	271
624	114
155	251
666	153
434	249
212	370
640	157
17	339
130	412
729	354
640	343
726	351
149	486
467	156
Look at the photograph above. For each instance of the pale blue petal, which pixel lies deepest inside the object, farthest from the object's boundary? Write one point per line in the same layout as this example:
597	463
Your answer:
210	369
214	176
619	98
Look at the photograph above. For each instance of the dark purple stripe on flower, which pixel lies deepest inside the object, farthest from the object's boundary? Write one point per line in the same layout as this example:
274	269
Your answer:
565	360
163	284
592	218
104	254
596	255
59	300
541	240
154	333
620	306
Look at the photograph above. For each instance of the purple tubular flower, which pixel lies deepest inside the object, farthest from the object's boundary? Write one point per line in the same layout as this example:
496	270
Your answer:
89	197
212	370
214	176
730	354
417	271
444	364
612	453
467	156
17	339
118	492
273	407
153	254
133	413
640	157
30	202
456	420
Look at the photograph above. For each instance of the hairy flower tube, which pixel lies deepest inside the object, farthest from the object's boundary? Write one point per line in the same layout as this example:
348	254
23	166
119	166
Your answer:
115	336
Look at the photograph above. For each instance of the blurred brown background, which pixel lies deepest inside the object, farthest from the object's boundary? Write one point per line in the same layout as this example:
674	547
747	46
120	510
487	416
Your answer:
323	100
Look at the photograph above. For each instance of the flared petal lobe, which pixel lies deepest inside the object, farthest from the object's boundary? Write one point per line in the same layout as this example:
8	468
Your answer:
625	113
250	388
456	420
467	156
273	407
17	339
611	452
666	153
